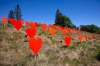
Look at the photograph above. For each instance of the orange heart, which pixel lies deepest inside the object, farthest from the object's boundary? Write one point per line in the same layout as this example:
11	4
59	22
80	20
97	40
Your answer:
33	24
52	31
4	20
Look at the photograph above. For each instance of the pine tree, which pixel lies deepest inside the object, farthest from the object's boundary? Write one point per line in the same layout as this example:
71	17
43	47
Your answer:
58	19
17	12
10	15
62	20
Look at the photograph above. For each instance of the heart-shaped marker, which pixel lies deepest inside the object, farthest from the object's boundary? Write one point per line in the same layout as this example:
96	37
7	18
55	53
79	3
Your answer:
31	32
35	44
61	28
64	31
4	20
33	24
52	31
81	38
16	23
27	23
19	24
68	40
43	27
12	21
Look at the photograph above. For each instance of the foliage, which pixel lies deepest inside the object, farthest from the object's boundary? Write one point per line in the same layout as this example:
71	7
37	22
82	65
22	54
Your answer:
10	15
62	20
18	14
90	28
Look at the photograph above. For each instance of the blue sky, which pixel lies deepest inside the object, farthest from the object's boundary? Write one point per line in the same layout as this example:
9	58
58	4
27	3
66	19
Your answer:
79	11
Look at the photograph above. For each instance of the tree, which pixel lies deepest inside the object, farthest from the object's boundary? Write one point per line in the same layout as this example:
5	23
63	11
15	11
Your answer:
10	15
58	19
67	22
17	12
90	28
62	20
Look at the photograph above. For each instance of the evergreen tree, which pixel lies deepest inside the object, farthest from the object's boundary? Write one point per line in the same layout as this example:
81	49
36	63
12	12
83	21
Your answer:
62	20
10	15
90	28
58	19
17	12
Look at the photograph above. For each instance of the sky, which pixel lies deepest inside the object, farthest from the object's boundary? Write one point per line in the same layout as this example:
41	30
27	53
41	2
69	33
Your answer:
81	12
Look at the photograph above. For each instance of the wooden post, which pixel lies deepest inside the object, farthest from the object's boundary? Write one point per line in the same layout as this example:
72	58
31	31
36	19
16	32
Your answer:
36	60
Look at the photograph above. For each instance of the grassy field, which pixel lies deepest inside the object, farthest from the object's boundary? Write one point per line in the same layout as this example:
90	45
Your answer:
14	50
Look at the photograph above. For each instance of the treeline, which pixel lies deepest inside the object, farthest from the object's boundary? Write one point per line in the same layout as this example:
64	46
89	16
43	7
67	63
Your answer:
65	21
90	28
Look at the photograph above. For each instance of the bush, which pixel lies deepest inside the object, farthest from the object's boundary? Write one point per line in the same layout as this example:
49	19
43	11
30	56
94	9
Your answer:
90	28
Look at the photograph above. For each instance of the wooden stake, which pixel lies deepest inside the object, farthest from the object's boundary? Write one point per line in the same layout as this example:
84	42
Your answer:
36	60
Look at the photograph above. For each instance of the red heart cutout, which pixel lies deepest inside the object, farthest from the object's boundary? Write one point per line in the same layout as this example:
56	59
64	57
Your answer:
12	21
27	23
33	24
67	40
16	24
43	27
19	24
35	44
31	32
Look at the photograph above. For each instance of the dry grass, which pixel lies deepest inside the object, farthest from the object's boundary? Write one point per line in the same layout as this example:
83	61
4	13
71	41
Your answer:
15	52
